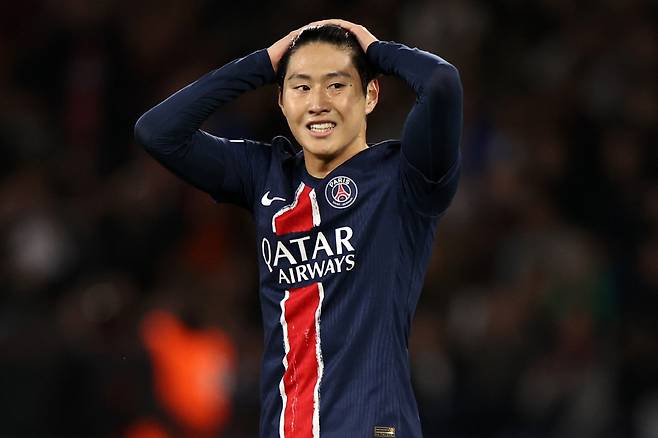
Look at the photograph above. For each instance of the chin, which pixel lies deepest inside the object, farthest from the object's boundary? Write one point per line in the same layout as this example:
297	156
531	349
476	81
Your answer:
320	150
325	153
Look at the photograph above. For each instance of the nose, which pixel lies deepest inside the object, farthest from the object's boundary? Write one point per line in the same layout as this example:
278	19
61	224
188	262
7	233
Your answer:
319	102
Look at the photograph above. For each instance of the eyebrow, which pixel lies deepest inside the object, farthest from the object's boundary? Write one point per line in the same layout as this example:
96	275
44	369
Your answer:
332	74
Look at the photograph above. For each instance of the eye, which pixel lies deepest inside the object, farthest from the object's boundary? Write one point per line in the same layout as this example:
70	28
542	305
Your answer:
336	86
302	87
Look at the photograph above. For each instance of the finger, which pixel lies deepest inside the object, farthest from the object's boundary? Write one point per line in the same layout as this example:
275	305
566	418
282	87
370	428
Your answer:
334	21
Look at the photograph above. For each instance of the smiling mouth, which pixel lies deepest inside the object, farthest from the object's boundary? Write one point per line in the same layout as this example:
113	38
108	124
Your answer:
321	129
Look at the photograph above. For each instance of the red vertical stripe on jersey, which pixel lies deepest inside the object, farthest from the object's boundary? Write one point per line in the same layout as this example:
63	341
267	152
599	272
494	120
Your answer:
298	217
303	362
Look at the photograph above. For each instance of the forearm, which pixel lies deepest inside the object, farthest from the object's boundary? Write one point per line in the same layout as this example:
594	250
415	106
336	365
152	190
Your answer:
170	124
432	131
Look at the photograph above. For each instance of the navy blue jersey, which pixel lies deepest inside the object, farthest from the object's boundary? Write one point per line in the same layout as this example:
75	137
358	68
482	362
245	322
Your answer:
342	258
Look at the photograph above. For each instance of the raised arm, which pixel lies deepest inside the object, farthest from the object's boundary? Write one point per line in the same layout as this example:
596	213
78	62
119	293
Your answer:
432	131
171	132
173	122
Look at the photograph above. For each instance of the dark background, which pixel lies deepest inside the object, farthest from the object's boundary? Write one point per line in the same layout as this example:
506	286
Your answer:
538	316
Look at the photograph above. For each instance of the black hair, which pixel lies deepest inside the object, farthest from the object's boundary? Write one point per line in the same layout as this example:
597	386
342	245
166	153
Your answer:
337	36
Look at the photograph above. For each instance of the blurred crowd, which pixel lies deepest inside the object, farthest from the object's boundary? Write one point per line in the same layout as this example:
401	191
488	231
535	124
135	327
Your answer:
538	315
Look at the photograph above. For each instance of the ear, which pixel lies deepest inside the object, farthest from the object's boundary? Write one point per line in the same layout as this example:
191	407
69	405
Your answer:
280	101
372	95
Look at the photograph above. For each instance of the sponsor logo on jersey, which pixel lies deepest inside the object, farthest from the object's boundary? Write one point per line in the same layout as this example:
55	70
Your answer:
267	201
310	257
296	258
341	192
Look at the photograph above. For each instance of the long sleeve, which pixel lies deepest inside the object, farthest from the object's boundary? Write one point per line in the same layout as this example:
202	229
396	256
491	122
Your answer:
432	130
170	130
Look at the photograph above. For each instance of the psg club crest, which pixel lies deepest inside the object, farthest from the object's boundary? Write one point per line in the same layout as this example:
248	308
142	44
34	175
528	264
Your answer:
341	192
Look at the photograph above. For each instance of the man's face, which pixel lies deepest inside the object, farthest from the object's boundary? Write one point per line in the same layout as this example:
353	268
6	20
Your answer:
323	102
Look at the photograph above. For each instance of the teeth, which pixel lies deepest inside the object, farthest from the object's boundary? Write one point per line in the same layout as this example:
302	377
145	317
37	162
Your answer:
321	126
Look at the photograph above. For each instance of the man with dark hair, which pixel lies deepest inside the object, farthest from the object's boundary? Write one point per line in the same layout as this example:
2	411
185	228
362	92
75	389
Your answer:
344	229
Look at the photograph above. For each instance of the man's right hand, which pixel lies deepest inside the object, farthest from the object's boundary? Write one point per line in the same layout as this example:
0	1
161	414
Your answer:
278	49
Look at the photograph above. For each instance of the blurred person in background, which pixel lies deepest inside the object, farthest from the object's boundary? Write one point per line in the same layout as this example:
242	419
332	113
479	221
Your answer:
345	229
193	372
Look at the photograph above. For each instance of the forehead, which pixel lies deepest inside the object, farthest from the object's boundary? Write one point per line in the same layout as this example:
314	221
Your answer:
317	59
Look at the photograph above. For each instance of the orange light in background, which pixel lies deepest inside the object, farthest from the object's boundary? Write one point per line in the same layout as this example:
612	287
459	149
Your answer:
146	428
193	371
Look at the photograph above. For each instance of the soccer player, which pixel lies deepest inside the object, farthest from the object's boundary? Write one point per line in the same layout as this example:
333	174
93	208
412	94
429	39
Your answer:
344	229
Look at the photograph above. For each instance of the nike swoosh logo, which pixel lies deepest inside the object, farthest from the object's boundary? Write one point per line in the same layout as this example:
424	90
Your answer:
267	201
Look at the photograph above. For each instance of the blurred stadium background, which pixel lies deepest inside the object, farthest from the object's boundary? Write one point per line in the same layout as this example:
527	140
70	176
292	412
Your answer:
129	304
